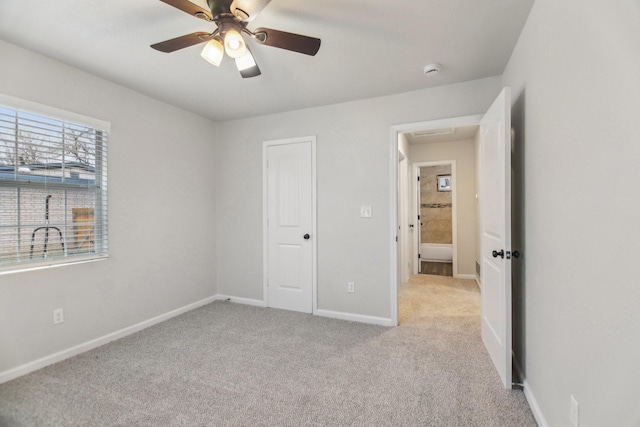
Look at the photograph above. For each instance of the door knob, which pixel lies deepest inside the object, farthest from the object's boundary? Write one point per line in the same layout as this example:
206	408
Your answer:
306	236
516	254
497	254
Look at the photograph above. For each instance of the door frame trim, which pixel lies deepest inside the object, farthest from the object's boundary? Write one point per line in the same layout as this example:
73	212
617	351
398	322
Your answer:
314	229
394	133
454	209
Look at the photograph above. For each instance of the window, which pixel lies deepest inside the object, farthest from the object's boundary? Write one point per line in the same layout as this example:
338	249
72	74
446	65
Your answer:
53	186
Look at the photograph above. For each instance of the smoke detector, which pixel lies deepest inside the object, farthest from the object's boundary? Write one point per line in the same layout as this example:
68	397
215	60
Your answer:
432	69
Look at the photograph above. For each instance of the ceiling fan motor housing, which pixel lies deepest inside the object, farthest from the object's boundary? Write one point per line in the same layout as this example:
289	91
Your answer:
219	8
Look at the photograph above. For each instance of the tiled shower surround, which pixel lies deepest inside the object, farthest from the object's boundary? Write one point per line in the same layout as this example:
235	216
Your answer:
435	206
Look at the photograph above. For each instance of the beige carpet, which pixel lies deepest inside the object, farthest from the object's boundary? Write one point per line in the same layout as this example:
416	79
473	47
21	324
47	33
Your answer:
426	297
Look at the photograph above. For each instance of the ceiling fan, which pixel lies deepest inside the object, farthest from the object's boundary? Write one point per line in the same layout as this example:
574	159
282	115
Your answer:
231	18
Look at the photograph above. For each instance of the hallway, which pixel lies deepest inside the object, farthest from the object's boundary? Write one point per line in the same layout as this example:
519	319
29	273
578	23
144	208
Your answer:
427	298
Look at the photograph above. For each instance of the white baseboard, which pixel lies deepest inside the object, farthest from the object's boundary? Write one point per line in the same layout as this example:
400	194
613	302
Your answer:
533	404
97	342
531	399
323	313
355	317
239	300
466	276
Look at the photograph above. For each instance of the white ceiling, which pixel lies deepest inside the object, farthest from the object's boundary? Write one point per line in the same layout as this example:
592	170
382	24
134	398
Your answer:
369	48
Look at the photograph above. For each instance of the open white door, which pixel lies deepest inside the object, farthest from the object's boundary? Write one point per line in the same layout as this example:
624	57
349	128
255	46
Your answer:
418	217
495	210
290	224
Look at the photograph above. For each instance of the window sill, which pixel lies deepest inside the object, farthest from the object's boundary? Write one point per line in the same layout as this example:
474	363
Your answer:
43	265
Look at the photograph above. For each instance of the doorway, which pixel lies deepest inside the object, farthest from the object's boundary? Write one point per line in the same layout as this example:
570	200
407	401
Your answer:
436	217
400	144
446	217
494	165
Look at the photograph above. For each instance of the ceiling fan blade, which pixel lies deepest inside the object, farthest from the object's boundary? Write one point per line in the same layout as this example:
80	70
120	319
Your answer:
190	8
247	66
181	42
247	10
283	40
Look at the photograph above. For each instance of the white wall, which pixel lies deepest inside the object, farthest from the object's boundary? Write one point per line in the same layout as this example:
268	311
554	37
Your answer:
161	217
575	75
353	169
463	153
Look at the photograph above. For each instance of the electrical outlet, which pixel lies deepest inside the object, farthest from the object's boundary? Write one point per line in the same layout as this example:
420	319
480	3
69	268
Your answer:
58	316
351	287
574	412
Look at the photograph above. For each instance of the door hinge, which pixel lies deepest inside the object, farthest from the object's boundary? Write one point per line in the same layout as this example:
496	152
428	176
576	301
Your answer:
396	239
418	217
418	178
418	256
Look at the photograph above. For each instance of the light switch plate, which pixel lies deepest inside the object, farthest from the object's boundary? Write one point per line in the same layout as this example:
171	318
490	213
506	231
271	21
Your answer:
58	316
366	212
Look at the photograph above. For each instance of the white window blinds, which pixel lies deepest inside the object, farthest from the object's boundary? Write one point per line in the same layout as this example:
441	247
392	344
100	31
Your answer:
53	186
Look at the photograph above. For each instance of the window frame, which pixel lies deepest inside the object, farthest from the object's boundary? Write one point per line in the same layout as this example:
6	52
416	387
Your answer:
100	187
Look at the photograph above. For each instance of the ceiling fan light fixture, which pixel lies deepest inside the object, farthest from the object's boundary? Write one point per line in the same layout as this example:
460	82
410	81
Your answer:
245	62
234	44
247	66
213	52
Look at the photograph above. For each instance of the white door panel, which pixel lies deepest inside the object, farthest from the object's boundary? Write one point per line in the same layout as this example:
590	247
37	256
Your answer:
289	219
495	207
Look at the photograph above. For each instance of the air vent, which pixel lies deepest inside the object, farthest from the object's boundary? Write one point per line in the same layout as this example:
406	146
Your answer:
432	132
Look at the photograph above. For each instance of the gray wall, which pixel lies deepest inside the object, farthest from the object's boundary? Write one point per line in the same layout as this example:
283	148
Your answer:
575	75
161	217
353	169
